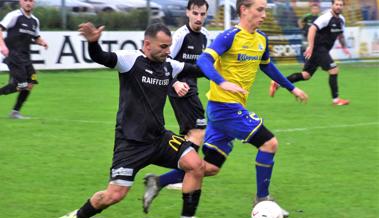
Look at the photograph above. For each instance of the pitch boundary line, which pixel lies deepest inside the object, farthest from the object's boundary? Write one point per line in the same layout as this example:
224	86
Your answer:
326	127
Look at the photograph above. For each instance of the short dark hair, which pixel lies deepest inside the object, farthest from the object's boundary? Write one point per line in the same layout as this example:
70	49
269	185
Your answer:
246	3
153	29
338	0
198	3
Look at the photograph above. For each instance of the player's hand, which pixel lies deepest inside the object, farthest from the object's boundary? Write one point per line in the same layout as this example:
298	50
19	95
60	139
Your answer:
4	50
308	52
231	87
300	95
181	88
346	51
90	32
42	43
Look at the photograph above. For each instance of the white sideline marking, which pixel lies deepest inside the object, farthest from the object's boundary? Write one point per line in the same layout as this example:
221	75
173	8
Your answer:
174	126
326	127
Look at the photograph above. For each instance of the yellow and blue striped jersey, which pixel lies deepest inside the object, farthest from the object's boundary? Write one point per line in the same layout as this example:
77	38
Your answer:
237	54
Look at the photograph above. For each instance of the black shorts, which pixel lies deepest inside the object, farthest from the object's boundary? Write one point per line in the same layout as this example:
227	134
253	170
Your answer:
189	113
22	73
258	139
320	58
131	156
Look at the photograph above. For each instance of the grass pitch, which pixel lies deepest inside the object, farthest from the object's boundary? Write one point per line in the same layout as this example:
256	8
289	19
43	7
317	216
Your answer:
327	164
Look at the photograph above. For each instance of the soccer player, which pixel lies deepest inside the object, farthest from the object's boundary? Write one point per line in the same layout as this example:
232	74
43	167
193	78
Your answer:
321	37
306	21
188	43
141	138
233	60
22	29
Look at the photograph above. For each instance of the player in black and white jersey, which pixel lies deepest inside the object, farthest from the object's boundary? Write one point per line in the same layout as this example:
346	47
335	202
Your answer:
321	37
141	138
189	41
22	29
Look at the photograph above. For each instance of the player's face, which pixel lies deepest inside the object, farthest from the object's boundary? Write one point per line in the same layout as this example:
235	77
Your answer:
27	5
159	47
315	10
337	6
256	12
196	16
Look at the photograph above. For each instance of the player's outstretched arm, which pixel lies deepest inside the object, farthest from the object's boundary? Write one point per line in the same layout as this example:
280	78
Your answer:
300	95
311	41
40	41
90	32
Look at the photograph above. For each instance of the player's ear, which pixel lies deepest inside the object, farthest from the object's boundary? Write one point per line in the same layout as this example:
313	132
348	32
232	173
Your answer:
188	13
147	43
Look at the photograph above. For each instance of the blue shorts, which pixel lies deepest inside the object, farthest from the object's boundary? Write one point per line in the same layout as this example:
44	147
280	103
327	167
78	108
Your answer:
226	122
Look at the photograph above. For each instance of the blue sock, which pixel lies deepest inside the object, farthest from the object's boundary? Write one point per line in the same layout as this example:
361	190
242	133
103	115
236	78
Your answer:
263	164
172	177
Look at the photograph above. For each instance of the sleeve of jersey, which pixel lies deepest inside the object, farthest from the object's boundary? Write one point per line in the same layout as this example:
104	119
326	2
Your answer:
322	21
108	59
206	61
177	42
9	20
184	70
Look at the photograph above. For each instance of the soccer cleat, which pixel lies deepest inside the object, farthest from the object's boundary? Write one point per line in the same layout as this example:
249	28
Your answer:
17	115
176	186
152	189
269	198
273	87
72	214
340	102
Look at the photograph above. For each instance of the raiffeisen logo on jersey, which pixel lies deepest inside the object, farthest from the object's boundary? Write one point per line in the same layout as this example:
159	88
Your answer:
245	57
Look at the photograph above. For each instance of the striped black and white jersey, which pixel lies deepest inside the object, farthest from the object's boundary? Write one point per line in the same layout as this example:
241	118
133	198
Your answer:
21	31
187	45
328	29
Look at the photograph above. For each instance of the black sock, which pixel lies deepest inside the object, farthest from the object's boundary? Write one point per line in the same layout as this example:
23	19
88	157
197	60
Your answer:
8	89
87	210
295	77
190	202
22	96
333	85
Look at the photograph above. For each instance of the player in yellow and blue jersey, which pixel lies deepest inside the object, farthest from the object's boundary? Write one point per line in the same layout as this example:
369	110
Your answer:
231	63
234	58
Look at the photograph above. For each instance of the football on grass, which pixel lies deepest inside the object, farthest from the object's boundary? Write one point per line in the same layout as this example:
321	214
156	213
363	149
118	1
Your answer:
267	209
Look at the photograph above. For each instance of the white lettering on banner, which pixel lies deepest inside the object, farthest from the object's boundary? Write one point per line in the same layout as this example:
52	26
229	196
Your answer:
286	50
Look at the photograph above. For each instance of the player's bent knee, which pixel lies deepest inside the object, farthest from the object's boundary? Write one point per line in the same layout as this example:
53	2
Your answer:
270	146
211	170
306	75
114	197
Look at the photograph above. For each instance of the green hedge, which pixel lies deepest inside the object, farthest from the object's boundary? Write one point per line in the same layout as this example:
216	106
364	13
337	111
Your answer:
50	19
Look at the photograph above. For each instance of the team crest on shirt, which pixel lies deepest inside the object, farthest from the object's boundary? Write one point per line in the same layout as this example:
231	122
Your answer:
166	71
260	47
